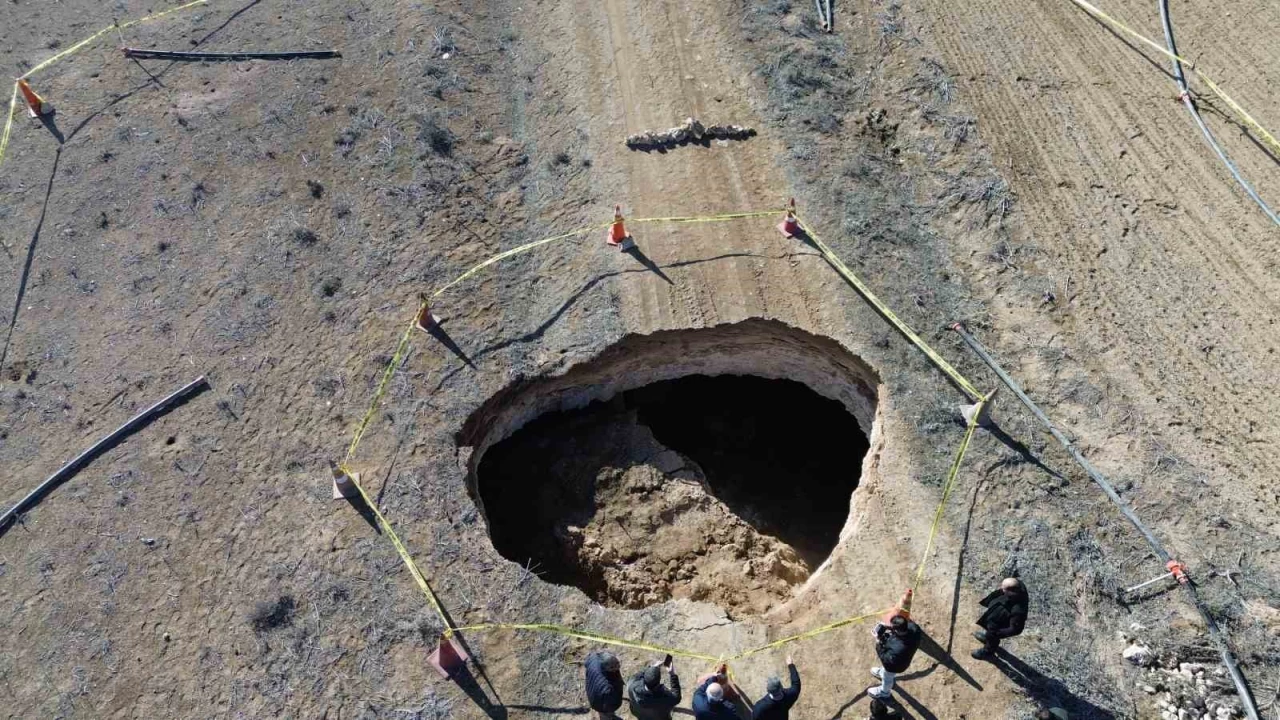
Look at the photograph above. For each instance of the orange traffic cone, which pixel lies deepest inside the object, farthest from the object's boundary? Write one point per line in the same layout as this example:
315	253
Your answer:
618	235
343	487
425	321
36	105
790	226
448	657
903	608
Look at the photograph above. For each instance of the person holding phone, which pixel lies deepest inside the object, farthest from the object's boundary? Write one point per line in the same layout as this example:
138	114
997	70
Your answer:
650	699
777	702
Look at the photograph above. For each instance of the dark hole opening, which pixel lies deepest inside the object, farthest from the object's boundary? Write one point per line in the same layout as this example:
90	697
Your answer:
712	488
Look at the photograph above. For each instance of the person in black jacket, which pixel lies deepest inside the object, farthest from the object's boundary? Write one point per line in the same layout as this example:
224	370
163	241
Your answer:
777	702
896	645
1005	617
604	684
709	701
650	700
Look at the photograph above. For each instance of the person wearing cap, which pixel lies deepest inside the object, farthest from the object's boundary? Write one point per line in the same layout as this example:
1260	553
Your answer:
709	702
896	645
650	699
1005	617
604	684
777	702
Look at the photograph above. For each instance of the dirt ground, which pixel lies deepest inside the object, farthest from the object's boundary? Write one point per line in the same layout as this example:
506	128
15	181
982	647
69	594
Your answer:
269	226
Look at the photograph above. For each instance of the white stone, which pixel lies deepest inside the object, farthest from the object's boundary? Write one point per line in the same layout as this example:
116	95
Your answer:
1139	655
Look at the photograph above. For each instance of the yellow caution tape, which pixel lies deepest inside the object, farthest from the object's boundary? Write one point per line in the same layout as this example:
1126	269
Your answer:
81	45
621	642
946	491
389	371
583	231
69	51
515	251
888	314
1240	112
586	635
707	218
404	555
807	634
1244	116
8	121
382	386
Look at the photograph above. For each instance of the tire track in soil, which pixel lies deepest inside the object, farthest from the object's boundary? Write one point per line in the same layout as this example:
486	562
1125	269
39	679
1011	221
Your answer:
1168	257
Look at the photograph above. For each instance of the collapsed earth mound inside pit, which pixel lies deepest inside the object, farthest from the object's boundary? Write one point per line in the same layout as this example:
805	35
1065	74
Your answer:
716	465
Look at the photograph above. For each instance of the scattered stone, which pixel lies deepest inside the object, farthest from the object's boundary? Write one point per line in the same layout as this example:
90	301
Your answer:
1181	690
1139	655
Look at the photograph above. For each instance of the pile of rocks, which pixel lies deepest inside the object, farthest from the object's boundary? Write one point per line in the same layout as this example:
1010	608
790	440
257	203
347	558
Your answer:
1182	690
690	131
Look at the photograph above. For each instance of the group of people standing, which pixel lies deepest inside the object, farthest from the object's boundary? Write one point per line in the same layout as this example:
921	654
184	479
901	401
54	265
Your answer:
714	698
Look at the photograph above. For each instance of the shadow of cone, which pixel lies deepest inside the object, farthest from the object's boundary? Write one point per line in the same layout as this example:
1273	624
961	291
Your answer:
448	657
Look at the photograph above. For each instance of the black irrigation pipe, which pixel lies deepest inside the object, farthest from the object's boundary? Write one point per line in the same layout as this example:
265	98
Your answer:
1228	659
1195	114
194	387
230	56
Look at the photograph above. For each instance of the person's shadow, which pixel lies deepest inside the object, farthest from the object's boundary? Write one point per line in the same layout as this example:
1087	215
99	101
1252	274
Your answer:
942	657
1046	690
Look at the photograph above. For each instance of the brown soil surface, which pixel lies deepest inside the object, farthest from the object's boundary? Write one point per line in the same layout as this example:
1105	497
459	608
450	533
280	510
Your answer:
638	523
270	225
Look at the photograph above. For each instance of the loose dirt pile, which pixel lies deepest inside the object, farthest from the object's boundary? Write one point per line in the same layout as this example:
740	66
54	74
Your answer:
610	509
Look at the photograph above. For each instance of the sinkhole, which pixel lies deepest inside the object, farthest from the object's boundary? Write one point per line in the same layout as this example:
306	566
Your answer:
717	465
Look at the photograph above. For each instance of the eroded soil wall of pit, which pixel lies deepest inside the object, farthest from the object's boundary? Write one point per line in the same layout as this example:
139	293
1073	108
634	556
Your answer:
715	464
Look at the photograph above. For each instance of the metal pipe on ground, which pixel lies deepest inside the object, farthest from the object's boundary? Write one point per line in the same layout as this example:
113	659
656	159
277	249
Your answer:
228	56
822	17
1215	633
1190	104
106	443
